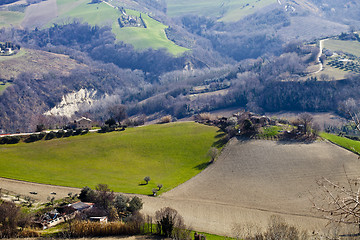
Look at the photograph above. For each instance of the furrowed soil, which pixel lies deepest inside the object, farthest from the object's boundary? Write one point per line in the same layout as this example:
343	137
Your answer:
250	181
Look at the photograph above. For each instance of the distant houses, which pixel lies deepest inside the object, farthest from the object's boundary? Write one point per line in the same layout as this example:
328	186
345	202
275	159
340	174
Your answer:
83	123
8	48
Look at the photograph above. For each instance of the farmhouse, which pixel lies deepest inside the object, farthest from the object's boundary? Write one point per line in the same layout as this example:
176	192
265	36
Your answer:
83	123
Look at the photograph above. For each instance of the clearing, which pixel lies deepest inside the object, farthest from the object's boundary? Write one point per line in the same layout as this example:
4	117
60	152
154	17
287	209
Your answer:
170	154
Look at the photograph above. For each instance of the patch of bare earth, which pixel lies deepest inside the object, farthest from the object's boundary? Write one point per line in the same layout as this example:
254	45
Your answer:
250	181
38	15
38	63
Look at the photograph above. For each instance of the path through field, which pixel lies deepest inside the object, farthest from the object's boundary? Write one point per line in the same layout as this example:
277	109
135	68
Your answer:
250	181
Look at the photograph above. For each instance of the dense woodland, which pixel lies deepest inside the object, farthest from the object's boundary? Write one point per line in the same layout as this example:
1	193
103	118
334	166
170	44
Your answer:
257	69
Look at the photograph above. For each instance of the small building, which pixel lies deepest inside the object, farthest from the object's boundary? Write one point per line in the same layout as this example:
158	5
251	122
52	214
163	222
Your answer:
98	219
80	206
83	123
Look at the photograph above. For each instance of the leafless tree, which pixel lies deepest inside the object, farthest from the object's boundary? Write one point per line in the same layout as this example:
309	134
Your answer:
352	109
306	119
339	203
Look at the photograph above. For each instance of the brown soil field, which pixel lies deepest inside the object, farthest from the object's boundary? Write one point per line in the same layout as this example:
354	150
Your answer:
36	62
250	181
37	15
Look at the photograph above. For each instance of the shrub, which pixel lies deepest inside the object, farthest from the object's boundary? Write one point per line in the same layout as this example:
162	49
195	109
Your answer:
87	194
50	135
68	133
60	133
135	204
10	140
165	119
168	221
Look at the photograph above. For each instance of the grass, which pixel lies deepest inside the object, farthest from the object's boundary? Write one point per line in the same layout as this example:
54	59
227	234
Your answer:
349	144
352	47
170	154
3	87
102	14
227	11
151	37
9	18
270	131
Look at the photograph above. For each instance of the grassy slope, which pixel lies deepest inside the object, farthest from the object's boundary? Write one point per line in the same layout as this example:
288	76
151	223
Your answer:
349	144
153	36
8	18
169	154
102	14
228	11
351	47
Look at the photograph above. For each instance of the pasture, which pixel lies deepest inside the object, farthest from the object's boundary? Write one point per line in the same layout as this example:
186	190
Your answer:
170	154
352	47
104	15
8	18
227	11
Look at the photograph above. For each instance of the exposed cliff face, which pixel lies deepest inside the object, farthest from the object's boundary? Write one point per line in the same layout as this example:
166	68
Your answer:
73	102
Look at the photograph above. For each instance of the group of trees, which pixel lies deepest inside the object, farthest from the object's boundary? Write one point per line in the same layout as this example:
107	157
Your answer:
114	206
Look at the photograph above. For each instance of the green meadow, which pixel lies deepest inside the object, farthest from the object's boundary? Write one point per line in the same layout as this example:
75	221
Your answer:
352	47
102	14
8	18
349	144
227	11
170	154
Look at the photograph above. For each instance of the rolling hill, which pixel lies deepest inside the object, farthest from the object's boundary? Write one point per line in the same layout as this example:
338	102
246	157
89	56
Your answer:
170	154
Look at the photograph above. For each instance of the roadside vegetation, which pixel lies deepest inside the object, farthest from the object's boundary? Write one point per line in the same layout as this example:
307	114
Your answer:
352	145
169	154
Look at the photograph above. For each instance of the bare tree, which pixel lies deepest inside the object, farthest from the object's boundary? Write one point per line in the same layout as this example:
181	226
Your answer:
212	153
339	203
305	119
352	109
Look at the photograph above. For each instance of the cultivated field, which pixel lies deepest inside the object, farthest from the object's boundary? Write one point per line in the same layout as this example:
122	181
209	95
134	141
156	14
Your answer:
228	11
254	179
170	154
250	181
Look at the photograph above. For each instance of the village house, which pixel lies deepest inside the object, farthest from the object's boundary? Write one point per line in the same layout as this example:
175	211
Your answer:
83	123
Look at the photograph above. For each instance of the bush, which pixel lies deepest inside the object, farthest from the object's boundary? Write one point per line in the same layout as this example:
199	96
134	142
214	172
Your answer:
169	222
68	133
60	133
135	204
165	119
50	135
10	140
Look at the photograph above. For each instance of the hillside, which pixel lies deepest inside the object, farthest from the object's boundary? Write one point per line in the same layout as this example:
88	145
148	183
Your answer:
37	63
170	154
253	180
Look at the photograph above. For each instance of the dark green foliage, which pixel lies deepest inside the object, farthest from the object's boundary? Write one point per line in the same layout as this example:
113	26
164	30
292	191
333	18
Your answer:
104	197
9	140
34	138
110	122
120	203
135	204
60	133
87	194
50	135
68	133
